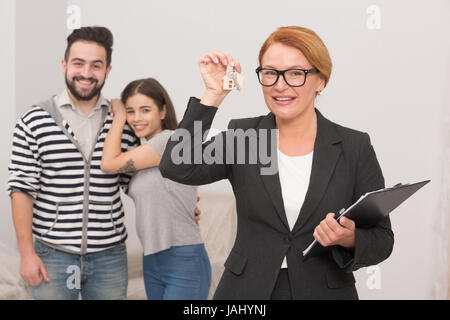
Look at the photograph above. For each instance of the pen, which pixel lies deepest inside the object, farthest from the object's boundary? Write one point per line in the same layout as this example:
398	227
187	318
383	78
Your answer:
340	214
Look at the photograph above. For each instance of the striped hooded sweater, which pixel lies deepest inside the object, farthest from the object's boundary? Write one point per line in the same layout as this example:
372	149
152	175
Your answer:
76	206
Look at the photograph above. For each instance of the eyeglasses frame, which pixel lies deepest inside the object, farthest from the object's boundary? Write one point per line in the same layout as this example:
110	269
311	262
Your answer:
282	72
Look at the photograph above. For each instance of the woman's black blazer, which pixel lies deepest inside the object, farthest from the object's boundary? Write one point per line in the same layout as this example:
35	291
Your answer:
344	167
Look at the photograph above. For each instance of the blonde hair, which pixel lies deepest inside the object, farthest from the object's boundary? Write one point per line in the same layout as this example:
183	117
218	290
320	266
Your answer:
305	40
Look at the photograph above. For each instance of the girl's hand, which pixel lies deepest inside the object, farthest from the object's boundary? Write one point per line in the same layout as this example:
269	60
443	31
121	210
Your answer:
117	109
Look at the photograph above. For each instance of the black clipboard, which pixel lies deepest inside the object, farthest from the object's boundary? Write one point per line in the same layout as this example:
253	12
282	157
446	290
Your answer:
370	209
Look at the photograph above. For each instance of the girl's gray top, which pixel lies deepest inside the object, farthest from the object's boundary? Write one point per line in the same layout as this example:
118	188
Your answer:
164	208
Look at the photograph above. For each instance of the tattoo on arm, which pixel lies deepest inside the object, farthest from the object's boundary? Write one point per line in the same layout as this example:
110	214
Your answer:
128	167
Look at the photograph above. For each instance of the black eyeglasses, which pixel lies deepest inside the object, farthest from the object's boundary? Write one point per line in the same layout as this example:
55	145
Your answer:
293	77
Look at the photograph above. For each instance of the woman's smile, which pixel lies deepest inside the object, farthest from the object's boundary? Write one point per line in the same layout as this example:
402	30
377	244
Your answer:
139	127
283	100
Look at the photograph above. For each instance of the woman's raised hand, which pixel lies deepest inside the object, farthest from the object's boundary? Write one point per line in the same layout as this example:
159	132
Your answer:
117	109
213	67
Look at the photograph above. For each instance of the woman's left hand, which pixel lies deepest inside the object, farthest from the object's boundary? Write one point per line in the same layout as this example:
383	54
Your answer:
117	108
330	232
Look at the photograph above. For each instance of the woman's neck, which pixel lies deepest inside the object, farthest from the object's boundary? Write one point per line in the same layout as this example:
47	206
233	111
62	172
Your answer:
297	136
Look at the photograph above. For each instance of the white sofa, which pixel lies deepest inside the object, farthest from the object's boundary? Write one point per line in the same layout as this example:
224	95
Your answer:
11	284
217	226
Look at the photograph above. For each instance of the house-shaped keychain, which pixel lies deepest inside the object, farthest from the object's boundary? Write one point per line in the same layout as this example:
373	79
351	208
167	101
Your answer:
232	80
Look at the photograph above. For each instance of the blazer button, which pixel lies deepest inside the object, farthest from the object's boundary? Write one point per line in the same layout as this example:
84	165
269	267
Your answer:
288	239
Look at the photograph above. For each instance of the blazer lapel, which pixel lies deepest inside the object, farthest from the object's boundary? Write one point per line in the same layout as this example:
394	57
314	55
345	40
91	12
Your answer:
271	182
326	155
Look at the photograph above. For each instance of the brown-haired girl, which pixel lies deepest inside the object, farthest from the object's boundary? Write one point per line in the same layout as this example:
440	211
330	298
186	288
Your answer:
175	262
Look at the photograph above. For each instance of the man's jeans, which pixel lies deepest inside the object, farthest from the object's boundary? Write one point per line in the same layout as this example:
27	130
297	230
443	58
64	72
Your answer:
96	276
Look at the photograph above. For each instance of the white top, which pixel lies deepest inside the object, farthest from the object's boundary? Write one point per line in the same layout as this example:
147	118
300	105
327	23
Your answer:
294	175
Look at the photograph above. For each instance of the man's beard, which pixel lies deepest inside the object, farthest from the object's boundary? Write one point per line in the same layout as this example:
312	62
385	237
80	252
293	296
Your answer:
77	94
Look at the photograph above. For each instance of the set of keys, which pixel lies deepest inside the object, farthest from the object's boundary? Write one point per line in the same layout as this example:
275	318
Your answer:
233	80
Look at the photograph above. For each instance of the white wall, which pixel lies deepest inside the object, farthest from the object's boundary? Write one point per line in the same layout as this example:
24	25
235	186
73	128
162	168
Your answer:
391	82
7	97
33	42
40	44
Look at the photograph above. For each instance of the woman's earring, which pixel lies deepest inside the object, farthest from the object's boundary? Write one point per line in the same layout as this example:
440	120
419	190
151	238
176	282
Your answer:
319	93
